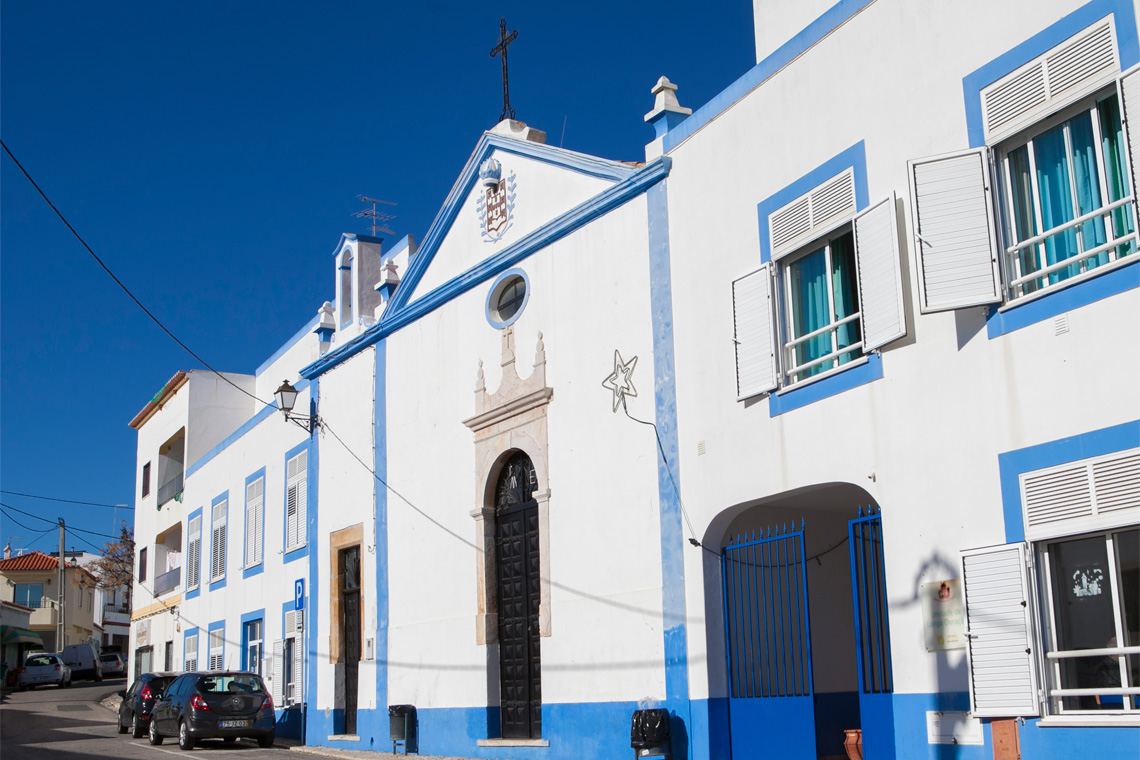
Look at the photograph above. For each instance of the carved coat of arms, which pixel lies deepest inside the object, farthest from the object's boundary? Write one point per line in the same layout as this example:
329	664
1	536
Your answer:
497	203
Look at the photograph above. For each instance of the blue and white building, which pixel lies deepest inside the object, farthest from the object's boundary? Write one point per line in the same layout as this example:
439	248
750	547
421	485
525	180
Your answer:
818	425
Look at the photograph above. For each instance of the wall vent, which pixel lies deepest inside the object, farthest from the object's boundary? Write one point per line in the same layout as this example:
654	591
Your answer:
1061	324
700	448
812	214
1093	494
1073	69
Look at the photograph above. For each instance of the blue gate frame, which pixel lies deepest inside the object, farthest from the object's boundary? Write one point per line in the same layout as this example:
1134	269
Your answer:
767	638
872	634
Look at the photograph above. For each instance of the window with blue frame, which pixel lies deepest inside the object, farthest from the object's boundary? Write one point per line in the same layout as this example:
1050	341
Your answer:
252	638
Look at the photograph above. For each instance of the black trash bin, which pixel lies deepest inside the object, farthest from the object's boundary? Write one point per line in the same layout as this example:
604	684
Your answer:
402	726
649	733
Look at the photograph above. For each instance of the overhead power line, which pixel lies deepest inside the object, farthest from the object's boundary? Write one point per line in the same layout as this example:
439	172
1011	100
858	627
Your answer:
119	282
67	501
54	522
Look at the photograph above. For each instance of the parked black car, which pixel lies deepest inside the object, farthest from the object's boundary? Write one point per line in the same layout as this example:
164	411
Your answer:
214	705
138	702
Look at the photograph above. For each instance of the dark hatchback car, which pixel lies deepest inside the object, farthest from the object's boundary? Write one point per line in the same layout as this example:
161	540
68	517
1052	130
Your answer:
138	702
214	705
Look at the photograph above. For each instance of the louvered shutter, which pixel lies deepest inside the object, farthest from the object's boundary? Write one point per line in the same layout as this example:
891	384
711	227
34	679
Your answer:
298	664
218	542
194	553
755	336
191	663
956	244
1128	86
254	498
1092	494
296	500
880	277
1078	66
277	685
999	628
217	648
812	214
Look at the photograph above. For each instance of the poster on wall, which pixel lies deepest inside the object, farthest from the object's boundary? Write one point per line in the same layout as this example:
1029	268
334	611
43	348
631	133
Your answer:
943	615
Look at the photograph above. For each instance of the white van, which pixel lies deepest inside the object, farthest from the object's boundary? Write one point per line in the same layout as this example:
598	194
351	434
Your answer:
83	661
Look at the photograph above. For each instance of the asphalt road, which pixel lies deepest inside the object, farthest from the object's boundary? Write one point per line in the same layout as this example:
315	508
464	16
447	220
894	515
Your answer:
69	724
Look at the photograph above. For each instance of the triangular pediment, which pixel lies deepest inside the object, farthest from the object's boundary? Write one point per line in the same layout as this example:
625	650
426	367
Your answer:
537	184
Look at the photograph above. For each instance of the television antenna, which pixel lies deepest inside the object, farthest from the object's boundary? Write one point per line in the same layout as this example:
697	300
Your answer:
379	218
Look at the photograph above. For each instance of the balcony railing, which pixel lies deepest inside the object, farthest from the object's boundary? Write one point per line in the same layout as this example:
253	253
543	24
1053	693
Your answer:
167	582
170	489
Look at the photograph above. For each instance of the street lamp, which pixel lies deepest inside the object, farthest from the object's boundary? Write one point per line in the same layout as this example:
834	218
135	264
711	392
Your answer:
286	397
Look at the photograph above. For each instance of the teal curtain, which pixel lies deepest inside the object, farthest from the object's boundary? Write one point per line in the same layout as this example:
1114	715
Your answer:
1116	170
808	283
846	295
1053	185
1085	174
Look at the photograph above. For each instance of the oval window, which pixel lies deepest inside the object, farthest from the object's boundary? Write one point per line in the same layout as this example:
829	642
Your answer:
507	299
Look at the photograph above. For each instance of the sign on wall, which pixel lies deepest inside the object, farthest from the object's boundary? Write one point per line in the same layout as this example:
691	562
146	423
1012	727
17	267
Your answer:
299	594
943	615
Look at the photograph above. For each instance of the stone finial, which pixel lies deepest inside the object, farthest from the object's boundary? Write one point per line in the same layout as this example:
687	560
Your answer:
667	112
508	347
326	325
389	280
480	382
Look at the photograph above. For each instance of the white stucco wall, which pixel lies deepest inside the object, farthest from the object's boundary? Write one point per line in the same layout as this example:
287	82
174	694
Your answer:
923	440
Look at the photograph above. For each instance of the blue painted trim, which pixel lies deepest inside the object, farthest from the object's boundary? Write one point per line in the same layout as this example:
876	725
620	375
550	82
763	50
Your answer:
249	617
380	514
187	633
1121	280
348	237
831	19
221	582
249	425
1051	36
297	337
303	551
799	396
854	158
512	272
1012	464
668	481
192	593
214	626
398	316
309	685
407	241
257	569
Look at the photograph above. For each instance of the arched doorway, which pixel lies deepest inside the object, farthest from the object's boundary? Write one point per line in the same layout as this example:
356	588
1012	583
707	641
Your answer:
518	574
803	627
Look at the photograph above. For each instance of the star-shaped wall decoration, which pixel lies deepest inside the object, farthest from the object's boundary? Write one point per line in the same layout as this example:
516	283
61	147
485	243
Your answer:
620	380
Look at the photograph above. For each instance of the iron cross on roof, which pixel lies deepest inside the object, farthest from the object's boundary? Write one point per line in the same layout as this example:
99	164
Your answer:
505	40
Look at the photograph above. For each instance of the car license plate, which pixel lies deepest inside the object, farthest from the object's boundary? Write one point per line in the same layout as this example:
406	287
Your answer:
234	723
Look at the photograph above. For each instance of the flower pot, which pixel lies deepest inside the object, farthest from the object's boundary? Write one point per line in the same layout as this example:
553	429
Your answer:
853	743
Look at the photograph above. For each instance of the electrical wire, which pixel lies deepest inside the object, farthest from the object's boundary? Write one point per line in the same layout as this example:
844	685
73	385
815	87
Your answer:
67	501
28	527
53	522
119	282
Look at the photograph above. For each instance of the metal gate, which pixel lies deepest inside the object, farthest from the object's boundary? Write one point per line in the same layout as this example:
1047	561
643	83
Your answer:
872	634
768	646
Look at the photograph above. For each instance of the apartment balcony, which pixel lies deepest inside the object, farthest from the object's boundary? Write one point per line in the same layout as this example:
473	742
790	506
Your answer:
44	613
167	582
116	615
171	489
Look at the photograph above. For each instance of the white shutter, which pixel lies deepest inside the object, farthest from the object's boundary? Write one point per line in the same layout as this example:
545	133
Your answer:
812	214
194	553
999	631
1092	494
218	542
217	648
298	668
754	336
956	244
277	679
880	277
296	500
254	498
1128	86
1078	66
191	654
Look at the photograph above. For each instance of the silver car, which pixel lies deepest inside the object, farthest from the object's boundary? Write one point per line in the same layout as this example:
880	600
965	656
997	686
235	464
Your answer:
113	665
40	669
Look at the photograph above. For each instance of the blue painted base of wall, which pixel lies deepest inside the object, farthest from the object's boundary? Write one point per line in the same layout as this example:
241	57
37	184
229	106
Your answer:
601	730
289	723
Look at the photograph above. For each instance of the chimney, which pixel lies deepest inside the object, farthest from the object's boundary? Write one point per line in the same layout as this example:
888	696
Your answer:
519	131
8	550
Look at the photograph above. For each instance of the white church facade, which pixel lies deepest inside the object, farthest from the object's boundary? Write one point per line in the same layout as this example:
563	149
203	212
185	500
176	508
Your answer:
817	426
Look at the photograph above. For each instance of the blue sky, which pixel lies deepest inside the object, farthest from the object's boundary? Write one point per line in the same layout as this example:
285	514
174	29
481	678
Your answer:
211	153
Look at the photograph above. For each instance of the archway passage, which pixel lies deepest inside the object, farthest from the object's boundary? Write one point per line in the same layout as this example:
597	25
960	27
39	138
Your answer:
519	594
